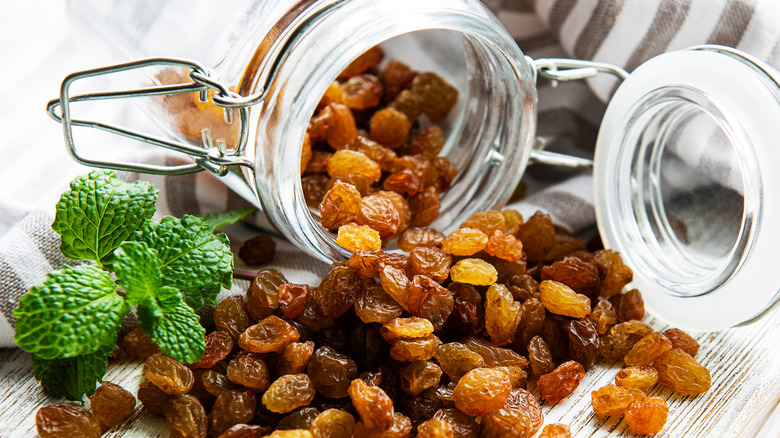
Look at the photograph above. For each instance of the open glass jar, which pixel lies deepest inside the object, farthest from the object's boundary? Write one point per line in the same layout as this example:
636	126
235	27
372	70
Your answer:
686	215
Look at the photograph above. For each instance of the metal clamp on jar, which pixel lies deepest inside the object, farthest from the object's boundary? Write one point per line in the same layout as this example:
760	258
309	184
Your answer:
682	166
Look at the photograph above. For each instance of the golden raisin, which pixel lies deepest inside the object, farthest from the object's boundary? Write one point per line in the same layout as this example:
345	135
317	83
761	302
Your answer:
613	400
249	370
380	214
111	404
389	127
457	359
414	349
288	393
616	273
629	305
465	242
437	97
372	403
642	378
582	277
396	77
406	329
537	235
370	58
525	402
504	246
682	340
271	334
340	205
419	237
348	162
429	142
647	416
373	304
168	374
561	300
333	423
474	271
425	207
434	428
502	314
555	430
561	382
361	92
294	358
647	349
418	376
481	391
430	300
679	371
353	237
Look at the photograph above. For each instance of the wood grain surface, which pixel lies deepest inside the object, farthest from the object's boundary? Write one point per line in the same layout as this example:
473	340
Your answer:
742	402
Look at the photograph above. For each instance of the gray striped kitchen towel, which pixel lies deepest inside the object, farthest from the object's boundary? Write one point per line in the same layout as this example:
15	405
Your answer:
621	32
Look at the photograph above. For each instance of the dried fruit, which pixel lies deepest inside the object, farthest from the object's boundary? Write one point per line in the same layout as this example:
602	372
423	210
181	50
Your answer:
463	426
152	398
111	404
186	417
616	274
230	315
262	298
250	370
504	423
271	334
430	300
419	237
429	142
419	376
581	276
389	127
437	97
434	428
603	316
218	345
502	314
613	400
401	428
337	291
244	431
647	349
340	205
474	271
331	372
406	329
294	358
370	58
504	246
292	298
333	423
372	403
537	235
258	250
396	77
235	406
415	349
354	237
562	300
682	340
139	345
361	92
467	310
641	378
629	305
385	157
66	421
395	282
457	359
481	391
525	402
622	337
215	382
465	242
561	382
647	416
301	420
679	371
288	393
539	356
373	304
425	207
168	374
349	162
314	188
584	341
380	214
555	430
430	261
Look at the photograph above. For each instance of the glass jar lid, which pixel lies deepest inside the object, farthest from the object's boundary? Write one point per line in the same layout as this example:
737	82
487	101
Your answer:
684	168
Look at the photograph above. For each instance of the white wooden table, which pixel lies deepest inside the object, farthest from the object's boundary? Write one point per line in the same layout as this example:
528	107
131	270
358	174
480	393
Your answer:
744	362
742	402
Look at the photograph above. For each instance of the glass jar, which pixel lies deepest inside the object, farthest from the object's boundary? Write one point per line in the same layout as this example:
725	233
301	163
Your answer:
684	160
284	55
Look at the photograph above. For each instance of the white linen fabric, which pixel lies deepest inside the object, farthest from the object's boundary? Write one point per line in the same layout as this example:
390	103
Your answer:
621	32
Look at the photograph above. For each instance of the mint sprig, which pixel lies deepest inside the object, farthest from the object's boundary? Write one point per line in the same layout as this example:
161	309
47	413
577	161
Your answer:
99	212
167	269
216	221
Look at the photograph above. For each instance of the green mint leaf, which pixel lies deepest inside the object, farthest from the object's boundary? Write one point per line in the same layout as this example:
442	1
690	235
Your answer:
137	268
99	212
216	221
73	312
72	377
192	259
172	325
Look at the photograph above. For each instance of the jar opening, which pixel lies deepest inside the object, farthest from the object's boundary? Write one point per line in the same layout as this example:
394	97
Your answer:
686	189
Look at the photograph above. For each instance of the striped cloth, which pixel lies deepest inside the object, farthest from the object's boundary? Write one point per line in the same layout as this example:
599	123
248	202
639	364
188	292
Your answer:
620	32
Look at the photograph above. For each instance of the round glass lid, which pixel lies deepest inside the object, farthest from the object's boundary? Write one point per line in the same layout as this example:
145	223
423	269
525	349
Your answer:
682	171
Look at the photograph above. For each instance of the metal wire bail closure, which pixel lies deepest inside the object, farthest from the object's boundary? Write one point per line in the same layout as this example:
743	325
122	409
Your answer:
214	158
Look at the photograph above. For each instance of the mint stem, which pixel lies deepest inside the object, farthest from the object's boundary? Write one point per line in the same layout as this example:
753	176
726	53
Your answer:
244	274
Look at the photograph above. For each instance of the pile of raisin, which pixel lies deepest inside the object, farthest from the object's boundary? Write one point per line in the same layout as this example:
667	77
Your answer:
370	160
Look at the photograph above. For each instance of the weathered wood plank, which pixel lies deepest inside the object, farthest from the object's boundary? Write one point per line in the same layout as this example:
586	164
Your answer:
745	392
